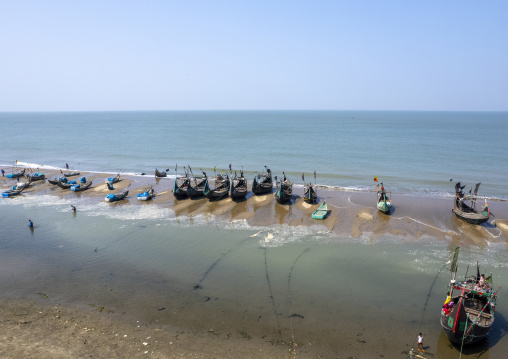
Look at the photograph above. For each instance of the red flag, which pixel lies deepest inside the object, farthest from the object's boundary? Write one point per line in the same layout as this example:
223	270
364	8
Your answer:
375	179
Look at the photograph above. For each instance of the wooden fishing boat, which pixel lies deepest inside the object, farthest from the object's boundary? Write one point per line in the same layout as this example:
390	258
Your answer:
321	212
70	174
17	174
12	192
81	186
196	186
384	204
180	186
464	206
238	187
147	195
38	176
221	189
467	315
113	179
160	174
113	197
56	180
262	182
67	184
284	190
309	194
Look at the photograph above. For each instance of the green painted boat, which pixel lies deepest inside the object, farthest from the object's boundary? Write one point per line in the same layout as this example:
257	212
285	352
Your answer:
321	212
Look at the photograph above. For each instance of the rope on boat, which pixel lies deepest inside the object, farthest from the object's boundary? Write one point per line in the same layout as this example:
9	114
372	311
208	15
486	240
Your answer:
289	296
425	308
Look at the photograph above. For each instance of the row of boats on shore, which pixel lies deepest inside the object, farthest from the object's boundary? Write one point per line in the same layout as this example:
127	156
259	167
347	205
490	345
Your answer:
191	186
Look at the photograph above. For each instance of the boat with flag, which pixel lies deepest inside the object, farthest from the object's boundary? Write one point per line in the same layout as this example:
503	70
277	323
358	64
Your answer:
384	204
196	184
309	192
468	312
238	186
464	206
262	182
221	190
284	191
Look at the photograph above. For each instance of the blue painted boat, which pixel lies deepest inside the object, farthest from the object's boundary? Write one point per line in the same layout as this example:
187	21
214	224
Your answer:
17	174
321	212
113	197
147	195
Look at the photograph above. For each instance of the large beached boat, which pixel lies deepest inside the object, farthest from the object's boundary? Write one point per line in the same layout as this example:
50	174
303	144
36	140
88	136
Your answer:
384	204
464	206
238	187
467	315
262	182
284	190
83	185
17	174
147	195
221	189
37	176
113	197
309	194
180	186
196	185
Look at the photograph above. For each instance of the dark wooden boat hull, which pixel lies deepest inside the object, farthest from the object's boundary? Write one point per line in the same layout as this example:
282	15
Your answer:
261	187
477	218
116	197
70	174
160	174
82	187
37	178
197	189
217	193
310	196
180	191
284	193
239	192
17	174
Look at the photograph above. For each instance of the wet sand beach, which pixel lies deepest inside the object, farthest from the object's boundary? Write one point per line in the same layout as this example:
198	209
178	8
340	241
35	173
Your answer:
106	302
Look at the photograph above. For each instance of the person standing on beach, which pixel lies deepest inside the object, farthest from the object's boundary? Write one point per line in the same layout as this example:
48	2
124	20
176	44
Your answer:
3	173
420	342
67	165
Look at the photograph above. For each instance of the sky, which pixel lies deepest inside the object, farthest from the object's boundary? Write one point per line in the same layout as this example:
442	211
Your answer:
253	55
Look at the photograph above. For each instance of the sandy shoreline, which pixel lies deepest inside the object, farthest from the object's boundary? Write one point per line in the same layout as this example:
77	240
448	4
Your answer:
352	213
41	327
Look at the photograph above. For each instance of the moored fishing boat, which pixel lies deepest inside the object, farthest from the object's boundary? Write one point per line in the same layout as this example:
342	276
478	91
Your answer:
262	182
17	174
37	176
12	192
321	212
113	197
180	186
221	189
309	192
238	187
467	315
56	180
83	185
284	190
196	185
160	173
113	179
464	206
147	195
70	174
384	204
67	184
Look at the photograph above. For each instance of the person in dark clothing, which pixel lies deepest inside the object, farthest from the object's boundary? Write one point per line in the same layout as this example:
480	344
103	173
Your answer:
30	224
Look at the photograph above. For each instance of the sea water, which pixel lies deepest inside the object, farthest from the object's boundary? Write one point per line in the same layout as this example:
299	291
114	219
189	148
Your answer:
422	153
279	282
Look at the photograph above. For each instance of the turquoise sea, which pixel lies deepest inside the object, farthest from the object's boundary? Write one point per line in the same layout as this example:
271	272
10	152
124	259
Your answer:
411	152
334	295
